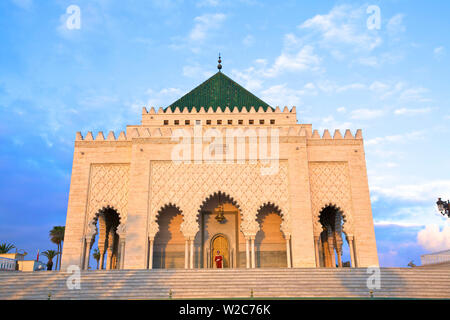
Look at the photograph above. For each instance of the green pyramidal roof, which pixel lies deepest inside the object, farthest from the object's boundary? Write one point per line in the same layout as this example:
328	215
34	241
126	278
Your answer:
219	91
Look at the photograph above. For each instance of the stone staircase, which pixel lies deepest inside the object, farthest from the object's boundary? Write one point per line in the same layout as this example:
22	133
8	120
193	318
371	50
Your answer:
228	283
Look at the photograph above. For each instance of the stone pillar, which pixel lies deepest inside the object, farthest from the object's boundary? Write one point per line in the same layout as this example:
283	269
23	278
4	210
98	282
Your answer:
352	253
191	260
331	250
102	240
121	233
89	244
85	254
316	250
121	253
150	257
186	254
339	251
111	236
247	253
252	239
288	252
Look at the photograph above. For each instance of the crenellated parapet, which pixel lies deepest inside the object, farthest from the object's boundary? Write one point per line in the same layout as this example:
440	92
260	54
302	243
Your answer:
142	132
203	110
212	115
337	135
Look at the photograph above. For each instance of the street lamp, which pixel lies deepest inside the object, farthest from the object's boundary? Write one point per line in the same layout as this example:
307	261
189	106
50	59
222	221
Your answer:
443	207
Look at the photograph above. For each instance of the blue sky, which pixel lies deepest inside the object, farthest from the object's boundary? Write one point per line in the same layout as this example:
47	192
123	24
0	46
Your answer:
321	57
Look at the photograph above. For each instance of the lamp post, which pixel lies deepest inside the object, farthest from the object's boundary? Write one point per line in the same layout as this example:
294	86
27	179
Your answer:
443	207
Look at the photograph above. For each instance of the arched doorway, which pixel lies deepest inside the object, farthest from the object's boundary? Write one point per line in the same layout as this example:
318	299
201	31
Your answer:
334	250
270	243
219	221
102	251
220	245
169	242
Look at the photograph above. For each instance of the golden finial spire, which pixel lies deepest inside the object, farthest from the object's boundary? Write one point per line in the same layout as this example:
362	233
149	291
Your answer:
219	66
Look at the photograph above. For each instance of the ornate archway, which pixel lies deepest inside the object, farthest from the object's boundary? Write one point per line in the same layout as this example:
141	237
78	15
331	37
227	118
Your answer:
272	241
330	242
219	216
168	243
107	224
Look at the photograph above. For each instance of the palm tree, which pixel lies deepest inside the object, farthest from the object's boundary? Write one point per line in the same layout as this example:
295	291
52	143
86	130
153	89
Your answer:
96	255
6	247
57	237
50	254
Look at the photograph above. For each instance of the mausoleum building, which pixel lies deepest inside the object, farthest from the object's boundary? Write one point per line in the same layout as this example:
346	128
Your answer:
219	170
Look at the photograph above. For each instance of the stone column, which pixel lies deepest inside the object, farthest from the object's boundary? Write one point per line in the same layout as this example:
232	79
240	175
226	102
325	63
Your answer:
89	248
247	253
121	232
150	258
111	235
288	251
252	239
191	260
186	254
352	253
86	253
316	250
102	240
339	252
122	253
331	250
88	242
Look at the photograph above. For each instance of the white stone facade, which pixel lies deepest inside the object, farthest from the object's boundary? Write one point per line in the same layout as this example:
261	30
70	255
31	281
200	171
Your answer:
135	175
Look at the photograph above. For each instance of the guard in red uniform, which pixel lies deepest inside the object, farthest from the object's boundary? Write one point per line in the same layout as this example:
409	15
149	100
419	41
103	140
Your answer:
218	259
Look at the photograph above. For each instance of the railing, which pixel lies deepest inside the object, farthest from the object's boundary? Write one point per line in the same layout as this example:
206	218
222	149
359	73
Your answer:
7	264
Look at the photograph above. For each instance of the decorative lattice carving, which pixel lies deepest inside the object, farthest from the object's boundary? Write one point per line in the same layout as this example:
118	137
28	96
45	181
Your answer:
108	187
330	184
188	185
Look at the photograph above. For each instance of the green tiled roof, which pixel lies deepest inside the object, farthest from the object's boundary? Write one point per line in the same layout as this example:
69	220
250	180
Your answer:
219	91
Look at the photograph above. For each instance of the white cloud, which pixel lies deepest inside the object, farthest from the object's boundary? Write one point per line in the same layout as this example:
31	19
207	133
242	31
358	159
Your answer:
371	61
341	109
333	87
208	3
439	52
406	224
366	114
310	86
378	86
395	25
414	94
204	24
195	71
332	124
433	238
303	60
248	41
411	112
353	86
249	78
419	192
280	95
157	99
343	26
292	41
395	138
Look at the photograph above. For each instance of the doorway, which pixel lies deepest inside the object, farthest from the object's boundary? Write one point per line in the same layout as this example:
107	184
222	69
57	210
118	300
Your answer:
220	243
